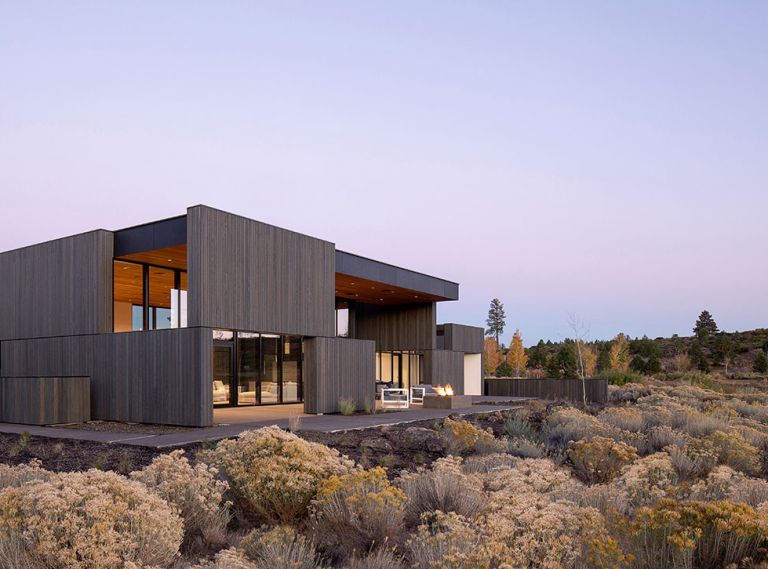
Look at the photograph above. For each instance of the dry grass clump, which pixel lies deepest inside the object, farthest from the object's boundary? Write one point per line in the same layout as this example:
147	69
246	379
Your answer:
567	425
663	436
486	463
732	450
275	474
195	492
225	559
694	459
278	547
91	520
357	512
21	473
600	459
526	448
624	418
443	488
698	424
379	559
464	437
709	535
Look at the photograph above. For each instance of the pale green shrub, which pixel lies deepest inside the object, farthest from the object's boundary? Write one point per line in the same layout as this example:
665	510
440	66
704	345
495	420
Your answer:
518	425
731	449
623	418
443	488
569	424
274	473
526	448
700	425
194	491
280	547
356	512
694	459
347	407
91	520
600	459
663	436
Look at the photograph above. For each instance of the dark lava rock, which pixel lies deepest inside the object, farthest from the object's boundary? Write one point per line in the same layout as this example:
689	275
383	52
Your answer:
418	438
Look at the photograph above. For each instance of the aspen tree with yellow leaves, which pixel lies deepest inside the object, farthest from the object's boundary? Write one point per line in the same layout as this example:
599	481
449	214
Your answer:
516	356
491	355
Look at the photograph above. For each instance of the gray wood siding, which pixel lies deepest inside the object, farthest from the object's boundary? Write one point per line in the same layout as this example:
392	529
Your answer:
335	369
247	275
568	389
45	400
57	288
444	366
160	376
461	338
399	327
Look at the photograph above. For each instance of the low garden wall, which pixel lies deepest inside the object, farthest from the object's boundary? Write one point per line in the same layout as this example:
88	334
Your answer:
568	389
45	400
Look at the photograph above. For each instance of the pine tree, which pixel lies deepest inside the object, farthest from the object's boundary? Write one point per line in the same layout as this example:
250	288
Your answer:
698	358
496	319
723	350
537	356
705	327
566	359
516	356
761	363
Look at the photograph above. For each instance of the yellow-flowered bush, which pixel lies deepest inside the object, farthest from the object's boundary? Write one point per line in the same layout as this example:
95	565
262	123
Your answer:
280	547
708	535
195	491
91	520
463	436
600	459
356	512
275	474
732	450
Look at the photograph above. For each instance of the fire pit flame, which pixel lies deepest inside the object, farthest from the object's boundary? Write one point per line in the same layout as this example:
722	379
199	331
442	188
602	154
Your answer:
446	391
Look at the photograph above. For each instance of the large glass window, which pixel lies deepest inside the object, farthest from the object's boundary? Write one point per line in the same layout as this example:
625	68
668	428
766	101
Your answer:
270	378
292	384
398	369
249	362
128	296
161	289
222	374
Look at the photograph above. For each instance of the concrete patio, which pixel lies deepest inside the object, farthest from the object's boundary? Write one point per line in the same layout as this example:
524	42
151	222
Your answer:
233	421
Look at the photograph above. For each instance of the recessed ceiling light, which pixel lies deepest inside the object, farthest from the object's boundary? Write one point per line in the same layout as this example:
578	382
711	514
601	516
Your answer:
170	260
381	299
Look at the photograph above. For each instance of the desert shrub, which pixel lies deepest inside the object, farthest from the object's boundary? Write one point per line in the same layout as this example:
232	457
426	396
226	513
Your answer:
347	407
380	559
486	463
600	459
709	535
619	377
462	436
14	553
538	476
569	424
526	448
753	436
694	459
274	473
21	473
226	559
648	479
195	492
623	418
629	393
518	425
724	483
757	412
443	488
448	540
663	436
356	512
731	449
278	547
91	520
608	499
699	425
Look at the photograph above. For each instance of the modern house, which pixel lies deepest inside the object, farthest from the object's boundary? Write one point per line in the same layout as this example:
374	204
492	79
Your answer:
171	319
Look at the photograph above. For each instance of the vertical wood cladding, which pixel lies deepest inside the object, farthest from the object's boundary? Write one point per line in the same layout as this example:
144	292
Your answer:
58	288
335	369
159	376
248	275
444	366
399	327
461	338
568	389
45	400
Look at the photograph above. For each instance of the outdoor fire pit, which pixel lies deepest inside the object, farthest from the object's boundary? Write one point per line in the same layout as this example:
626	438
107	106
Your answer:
445	398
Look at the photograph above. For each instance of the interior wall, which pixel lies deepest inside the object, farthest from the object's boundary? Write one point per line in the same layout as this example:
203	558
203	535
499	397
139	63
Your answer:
473	374
123	317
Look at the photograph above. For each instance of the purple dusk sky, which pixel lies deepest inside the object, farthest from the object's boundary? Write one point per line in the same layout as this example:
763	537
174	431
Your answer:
608	159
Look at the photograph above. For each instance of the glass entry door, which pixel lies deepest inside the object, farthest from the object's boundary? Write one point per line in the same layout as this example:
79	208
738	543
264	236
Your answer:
223	378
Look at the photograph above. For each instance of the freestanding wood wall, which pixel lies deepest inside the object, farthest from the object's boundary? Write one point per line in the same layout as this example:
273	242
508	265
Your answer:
247	275
398	327
442	367
461	338
58	288
335	369
157	376
45	400
568	389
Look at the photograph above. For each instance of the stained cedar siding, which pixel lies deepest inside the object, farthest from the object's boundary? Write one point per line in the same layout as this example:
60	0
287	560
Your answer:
158	376
399	327
461	338
335	369
58	288
568	389
45	400
248	275
444	366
